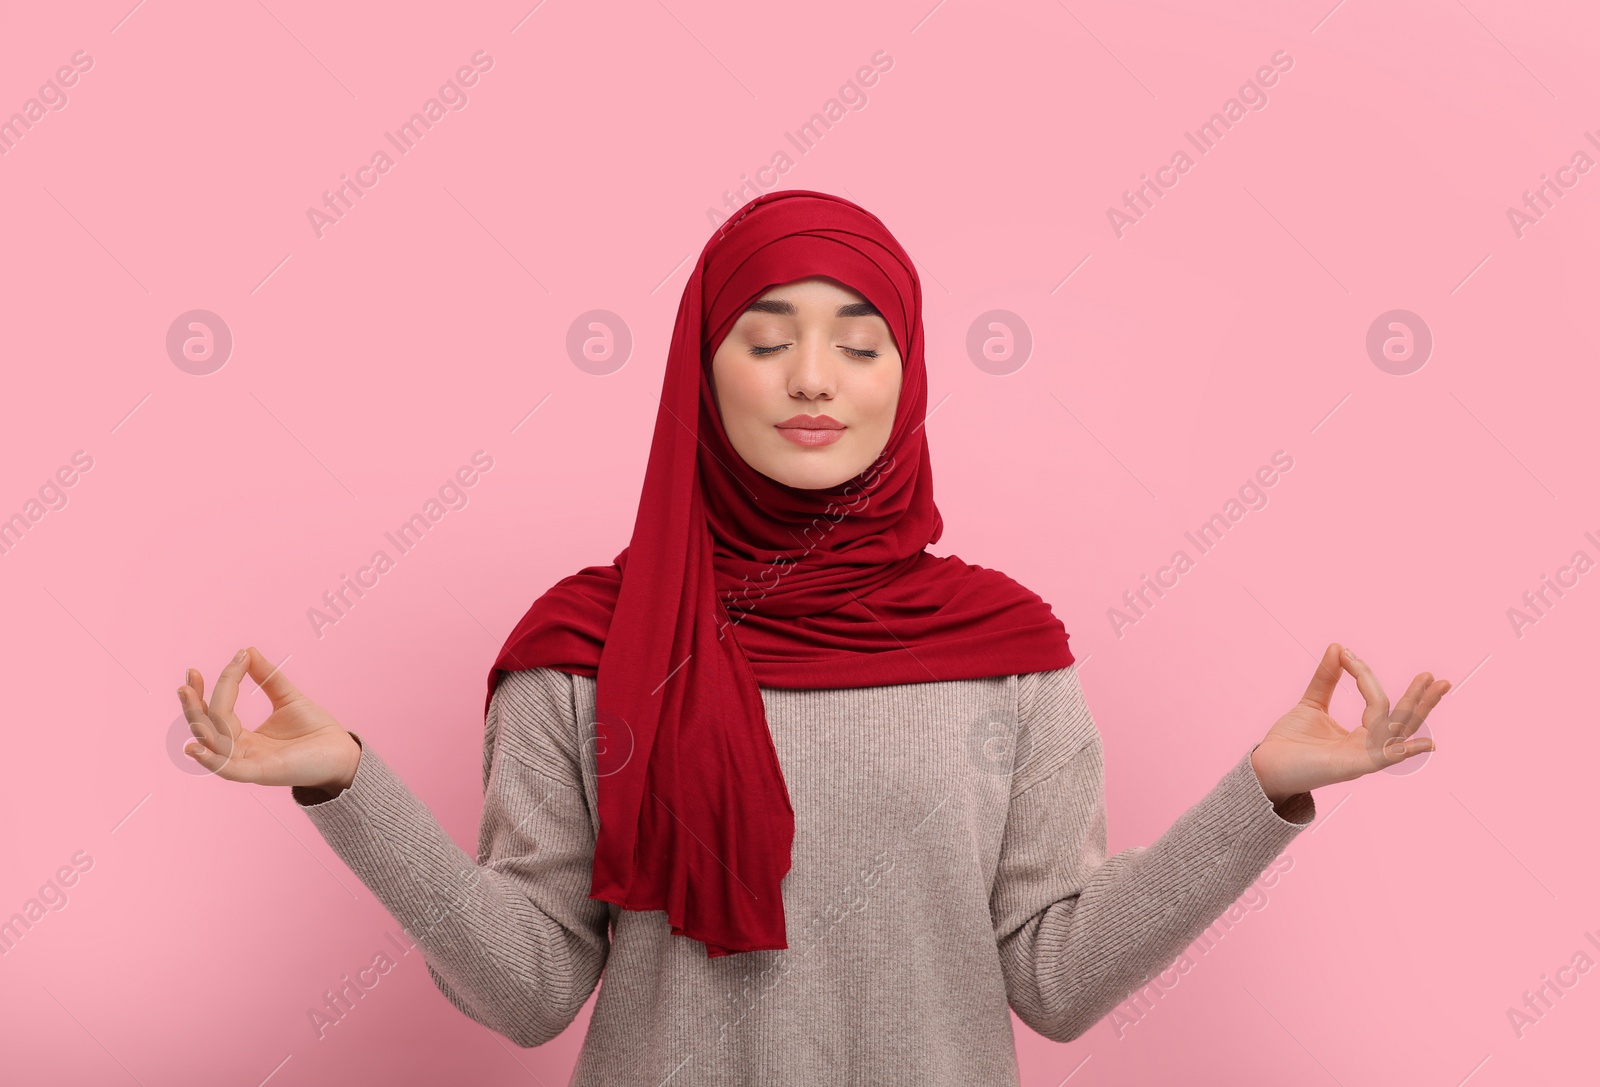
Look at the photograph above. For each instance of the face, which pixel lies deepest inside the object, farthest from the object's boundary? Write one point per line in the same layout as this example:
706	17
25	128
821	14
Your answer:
807	382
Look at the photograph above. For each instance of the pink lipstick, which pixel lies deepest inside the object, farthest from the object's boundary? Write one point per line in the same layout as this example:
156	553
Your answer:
811	429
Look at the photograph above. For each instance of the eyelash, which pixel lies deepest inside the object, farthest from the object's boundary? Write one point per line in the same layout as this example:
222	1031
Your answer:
761	352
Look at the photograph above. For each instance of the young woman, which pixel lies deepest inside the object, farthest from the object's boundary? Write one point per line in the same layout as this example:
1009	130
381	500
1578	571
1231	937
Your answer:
823	805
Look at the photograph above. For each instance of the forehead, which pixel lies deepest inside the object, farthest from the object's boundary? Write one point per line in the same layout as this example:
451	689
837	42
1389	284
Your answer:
844	300
828	297
785	308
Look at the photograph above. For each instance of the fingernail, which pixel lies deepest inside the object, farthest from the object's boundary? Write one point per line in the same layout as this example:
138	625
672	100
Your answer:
239	656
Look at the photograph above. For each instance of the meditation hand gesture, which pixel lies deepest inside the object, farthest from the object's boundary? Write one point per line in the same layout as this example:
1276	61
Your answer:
1307	748
298	744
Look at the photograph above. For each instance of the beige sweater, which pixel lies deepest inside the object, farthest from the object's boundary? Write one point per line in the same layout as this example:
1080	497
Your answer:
949	863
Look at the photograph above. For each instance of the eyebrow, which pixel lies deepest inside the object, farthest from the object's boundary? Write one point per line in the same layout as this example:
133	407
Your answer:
786	308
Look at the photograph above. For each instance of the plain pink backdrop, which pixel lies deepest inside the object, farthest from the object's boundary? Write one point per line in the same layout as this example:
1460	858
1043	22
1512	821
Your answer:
1167	365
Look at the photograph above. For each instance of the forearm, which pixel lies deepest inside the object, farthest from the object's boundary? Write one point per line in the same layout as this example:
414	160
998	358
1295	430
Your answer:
1135	911
495	953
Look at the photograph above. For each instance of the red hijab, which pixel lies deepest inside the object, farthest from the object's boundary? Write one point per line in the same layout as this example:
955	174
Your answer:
733	580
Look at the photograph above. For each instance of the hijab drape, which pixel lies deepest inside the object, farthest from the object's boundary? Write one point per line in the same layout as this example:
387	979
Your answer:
733	580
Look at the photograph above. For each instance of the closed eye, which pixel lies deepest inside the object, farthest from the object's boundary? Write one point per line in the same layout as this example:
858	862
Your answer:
858	353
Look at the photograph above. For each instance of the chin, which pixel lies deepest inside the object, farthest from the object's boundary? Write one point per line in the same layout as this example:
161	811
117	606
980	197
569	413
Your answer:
808	482
811	477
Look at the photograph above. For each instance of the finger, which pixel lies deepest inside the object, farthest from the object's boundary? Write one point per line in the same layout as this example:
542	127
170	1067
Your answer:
228	687
221	765
1430	698
271	678
204	729
1398	750
1319	692
198	682
1376	715
1401	718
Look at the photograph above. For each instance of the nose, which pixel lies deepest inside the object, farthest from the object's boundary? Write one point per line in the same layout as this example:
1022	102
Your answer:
813	372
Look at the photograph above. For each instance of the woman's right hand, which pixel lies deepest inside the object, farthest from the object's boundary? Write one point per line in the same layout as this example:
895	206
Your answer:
298	744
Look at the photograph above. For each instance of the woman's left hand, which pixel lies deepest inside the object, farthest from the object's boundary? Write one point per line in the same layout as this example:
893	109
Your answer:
1307	748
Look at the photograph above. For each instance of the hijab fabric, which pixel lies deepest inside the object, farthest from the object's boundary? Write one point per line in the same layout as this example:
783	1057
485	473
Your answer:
733	581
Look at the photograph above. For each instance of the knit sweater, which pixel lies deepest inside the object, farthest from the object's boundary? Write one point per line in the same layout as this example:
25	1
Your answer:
949	864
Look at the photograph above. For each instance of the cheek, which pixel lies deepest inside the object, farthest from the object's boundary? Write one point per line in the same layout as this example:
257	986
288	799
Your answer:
747	385
741	389
887	398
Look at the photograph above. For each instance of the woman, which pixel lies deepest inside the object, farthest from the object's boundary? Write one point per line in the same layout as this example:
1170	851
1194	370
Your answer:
843	806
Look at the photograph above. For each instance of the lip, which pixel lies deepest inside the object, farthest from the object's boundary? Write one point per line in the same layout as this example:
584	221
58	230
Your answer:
812	422
811	430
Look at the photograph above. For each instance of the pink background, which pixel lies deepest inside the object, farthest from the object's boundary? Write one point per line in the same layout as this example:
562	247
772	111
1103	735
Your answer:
1167	365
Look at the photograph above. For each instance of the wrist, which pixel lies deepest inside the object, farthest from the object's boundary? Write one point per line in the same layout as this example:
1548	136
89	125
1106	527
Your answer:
350	762
349	776
1275	796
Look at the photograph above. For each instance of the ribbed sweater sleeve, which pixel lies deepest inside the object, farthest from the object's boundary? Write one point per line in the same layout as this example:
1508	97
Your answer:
1079	931
511	938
